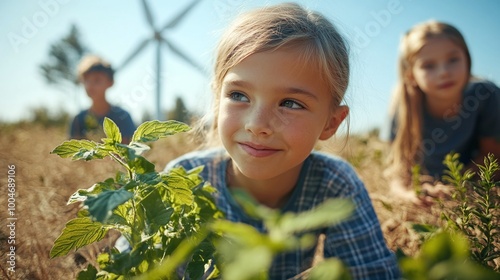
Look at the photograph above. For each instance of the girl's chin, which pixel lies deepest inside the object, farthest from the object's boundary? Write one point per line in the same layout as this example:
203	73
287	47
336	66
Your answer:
254	172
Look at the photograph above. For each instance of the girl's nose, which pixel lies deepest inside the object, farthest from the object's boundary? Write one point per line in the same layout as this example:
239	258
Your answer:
444	69
258	120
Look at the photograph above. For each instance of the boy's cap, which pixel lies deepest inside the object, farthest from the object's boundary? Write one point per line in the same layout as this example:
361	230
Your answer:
93	63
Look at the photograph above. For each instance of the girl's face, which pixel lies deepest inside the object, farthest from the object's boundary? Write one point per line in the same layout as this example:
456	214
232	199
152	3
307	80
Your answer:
440	70
272	112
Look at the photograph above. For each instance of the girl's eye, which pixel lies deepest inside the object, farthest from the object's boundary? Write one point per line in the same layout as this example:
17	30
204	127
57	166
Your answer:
454	59
291	104
238	96
428	66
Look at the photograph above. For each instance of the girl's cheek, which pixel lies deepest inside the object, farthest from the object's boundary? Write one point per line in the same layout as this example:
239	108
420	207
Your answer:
281	119
229	113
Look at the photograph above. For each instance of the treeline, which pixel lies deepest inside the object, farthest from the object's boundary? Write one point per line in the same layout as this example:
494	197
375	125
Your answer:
61	118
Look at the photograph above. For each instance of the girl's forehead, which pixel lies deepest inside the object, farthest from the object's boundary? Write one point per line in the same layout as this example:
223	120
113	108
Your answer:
434	46
297	57
284	61
443	44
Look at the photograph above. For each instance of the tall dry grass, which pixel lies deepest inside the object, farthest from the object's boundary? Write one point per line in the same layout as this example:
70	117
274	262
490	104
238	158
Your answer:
44	183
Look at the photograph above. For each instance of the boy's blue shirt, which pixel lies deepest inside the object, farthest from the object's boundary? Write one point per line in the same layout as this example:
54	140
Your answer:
358	241
80	127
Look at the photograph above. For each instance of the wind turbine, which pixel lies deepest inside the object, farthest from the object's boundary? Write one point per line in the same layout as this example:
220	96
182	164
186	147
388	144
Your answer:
161	40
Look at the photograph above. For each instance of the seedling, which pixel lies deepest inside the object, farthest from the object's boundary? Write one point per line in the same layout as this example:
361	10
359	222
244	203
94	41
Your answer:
171	221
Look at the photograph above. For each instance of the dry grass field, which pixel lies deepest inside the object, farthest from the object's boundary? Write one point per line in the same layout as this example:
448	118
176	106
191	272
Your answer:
44	183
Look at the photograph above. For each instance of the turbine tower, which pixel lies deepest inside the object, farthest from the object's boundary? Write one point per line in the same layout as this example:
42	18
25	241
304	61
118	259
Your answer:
160	40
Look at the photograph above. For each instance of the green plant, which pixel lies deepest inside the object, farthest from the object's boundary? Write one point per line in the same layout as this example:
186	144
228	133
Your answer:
153	211
171	221
445	255
243	244
244	253
476	212
416	183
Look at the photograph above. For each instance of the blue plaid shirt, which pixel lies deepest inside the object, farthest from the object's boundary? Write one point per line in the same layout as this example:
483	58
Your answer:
358	241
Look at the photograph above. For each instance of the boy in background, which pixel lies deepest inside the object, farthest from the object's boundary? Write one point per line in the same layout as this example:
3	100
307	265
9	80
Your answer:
96	75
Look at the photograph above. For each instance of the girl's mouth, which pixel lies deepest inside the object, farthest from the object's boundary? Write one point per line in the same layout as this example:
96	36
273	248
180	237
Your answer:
446	85
256	150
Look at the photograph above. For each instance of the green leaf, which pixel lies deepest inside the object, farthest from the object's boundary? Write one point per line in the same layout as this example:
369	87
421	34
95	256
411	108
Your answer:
120	218
168	266
178	188
181	195
328	213
208	209
125	151
242	232
252	207
260	259
90	273
111	130
204	252
141	165
122	263
154	130
102	205
157	213
79	149
82	194
444	246
77	233
138	148
424	228
151	178
179	175
329	269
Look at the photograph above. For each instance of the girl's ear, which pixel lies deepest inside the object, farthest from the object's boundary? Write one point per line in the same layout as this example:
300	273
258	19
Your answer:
333	123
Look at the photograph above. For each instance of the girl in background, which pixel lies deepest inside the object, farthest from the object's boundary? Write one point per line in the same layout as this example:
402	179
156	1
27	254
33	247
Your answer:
281	73
439	107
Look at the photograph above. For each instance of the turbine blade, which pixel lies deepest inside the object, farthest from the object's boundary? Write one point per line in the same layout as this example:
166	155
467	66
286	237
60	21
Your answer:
136	51
149	16
181	15
186	58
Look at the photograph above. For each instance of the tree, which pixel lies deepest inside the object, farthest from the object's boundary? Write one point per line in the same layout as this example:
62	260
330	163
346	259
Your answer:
64	56
179	112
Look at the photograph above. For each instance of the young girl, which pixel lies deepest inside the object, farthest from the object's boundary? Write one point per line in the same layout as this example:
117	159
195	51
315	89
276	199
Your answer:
280	76
438	106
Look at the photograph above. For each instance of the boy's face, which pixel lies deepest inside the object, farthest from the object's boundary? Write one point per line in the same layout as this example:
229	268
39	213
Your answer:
96	84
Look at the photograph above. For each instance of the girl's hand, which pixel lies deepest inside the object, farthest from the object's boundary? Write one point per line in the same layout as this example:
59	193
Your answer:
436	190
404	192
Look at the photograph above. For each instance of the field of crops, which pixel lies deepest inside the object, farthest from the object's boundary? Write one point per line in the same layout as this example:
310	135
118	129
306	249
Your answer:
44	182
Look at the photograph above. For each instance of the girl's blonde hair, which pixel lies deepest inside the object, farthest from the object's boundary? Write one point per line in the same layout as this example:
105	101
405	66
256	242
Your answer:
408	99
274	27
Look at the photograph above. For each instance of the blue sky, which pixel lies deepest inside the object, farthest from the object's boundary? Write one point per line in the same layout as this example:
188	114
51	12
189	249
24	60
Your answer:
113	28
